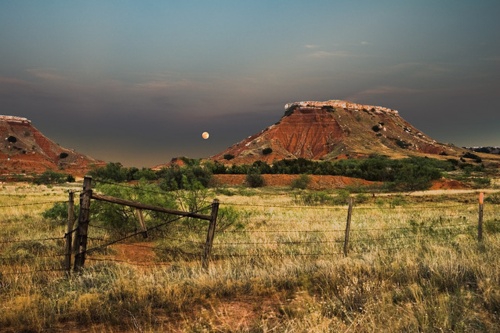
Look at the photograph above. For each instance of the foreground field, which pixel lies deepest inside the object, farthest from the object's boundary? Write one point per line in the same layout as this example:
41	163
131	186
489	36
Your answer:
413	264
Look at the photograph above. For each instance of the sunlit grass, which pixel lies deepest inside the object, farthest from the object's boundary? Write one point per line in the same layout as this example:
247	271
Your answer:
414	265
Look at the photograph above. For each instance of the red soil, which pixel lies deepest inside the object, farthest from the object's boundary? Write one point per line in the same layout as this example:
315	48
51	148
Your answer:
316	182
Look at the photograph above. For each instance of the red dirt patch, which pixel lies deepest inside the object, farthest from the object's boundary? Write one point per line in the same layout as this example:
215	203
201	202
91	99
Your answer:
135	253
317	182
447	184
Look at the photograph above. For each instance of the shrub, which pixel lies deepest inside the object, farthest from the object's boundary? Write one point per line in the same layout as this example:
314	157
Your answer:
472	156
342	197
314	198
267	151
492	227
375	128
301	182
184	178
58	212
254	179
402	144
113	171
50	177
123	219
493	198
480	182
228	157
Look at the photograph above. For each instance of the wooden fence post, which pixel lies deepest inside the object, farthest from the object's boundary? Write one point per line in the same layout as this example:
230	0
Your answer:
69	232
348	227
480	220
83	223
141	222
210	233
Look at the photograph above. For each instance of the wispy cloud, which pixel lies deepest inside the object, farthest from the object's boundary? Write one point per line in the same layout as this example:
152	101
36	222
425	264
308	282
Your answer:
48	74
328	54
10	85
311	46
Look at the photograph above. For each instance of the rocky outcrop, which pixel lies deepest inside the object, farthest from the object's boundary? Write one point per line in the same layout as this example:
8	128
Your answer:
25	150
331	130
337	103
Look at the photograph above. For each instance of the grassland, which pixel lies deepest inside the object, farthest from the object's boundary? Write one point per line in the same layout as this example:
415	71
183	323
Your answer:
414	264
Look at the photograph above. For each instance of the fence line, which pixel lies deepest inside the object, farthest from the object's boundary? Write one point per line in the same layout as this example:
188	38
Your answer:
32	204
30	240
357	243
343	207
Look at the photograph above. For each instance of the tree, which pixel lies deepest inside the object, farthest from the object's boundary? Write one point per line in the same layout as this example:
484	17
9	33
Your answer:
113	171
51	177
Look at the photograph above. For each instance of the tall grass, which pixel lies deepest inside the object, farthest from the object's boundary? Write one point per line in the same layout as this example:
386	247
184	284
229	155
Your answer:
414	265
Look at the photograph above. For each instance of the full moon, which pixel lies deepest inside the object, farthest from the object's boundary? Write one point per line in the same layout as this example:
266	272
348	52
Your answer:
205	135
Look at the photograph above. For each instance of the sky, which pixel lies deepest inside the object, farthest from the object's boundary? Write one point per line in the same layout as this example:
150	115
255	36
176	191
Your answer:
137	82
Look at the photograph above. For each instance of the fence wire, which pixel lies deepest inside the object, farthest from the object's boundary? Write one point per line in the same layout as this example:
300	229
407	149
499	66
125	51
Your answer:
277	243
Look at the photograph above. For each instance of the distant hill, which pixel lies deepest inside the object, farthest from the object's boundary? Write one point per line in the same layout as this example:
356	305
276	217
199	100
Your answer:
335	129
25	150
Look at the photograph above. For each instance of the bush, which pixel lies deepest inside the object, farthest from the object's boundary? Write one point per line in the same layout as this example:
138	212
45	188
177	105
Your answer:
123	219
254	179
492	198
51	177
184	178
492	227
480	182
314	198
267	151
113	171
472	156
301	182
228	157
342	197
59	212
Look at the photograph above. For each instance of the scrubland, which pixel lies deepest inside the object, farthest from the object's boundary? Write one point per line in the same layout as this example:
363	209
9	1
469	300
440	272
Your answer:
413	264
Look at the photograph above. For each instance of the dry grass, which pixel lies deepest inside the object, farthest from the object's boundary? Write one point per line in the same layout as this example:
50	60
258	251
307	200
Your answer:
414	266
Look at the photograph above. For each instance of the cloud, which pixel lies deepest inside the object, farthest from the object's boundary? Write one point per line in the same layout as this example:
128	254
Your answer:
311	46
328	54
47	74
14	86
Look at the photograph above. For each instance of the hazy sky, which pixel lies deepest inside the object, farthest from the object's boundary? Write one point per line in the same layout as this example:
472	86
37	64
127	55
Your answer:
137	82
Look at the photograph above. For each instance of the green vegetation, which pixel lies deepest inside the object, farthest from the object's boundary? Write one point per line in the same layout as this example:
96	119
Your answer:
407	174
301	182
254	178
51	177
267	151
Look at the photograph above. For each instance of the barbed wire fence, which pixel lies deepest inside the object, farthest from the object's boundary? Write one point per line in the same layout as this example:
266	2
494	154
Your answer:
52	254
